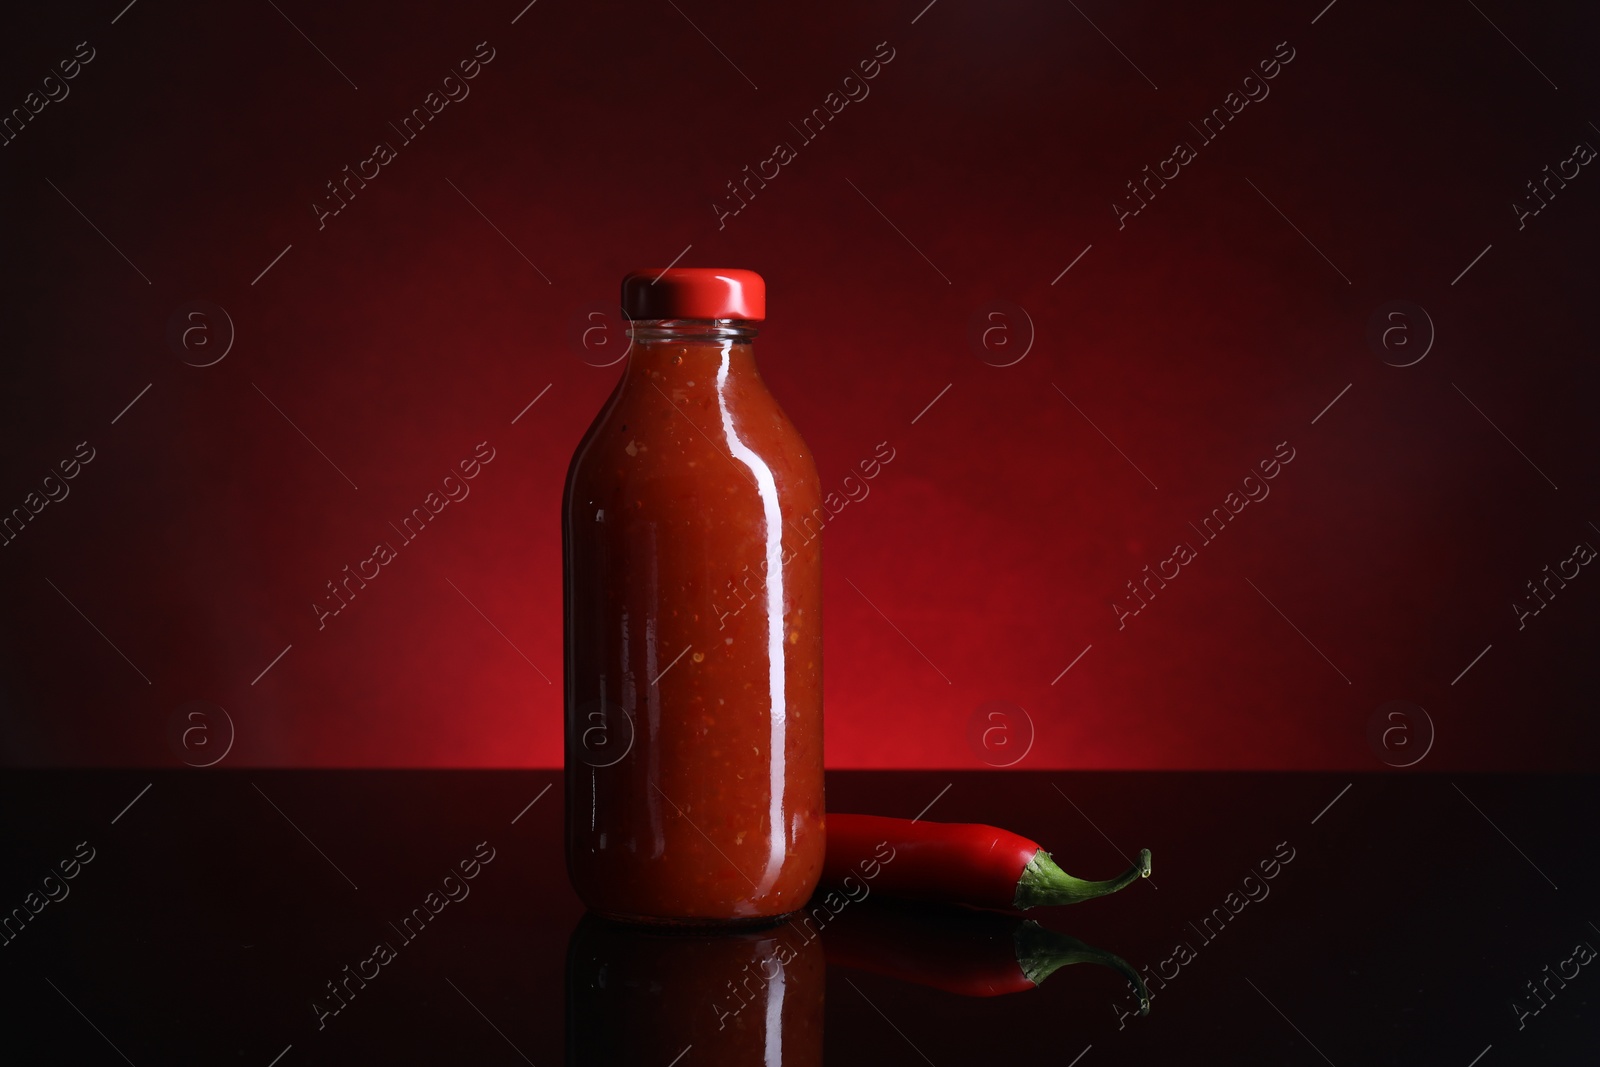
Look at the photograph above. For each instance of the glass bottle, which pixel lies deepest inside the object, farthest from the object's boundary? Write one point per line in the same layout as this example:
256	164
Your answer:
693	597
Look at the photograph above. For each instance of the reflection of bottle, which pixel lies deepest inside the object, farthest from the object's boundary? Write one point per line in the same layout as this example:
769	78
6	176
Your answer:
641	995
694	720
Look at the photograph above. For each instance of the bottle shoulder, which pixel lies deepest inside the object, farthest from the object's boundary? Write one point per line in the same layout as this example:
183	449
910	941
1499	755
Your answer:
661	427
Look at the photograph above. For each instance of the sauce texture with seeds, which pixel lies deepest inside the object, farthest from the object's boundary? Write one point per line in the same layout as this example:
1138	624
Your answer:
693	588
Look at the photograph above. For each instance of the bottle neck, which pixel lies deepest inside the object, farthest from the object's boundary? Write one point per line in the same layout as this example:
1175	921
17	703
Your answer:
690	347
653	330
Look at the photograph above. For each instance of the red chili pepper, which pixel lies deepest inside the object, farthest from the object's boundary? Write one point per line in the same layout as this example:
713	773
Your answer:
958	950
961	863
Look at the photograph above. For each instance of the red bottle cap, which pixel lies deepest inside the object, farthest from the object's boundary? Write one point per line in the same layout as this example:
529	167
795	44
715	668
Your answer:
694	293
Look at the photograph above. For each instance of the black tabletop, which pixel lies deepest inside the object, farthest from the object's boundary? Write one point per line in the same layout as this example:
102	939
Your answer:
243	916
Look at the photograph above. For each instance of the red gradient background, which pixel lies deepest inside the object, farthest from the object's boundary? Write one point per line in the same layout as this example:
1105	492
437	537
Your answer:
987	556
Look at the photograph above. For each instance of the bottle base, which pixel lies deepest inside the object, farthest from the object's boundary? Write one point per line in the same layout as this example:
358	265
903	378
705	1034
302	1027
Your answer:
694	924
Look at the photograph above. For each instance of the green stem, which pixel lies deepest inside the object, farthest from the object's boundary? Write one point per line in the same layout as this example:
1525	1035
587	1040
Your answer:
1042	952
1042	882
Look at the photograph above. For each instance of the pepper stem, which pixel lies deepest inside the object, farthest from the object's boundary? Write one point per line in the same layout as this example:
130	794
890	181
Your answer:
1041	952
1043	882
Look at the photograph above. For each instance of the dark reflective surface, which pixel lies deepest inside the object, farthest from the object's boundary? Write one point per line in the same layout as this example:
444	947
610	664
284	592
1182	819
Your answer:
422	917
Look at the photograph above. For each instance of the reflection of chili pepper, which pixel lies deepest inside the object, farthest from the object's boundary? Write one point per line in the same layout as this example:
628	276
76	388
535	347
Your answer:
971	953
962	863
